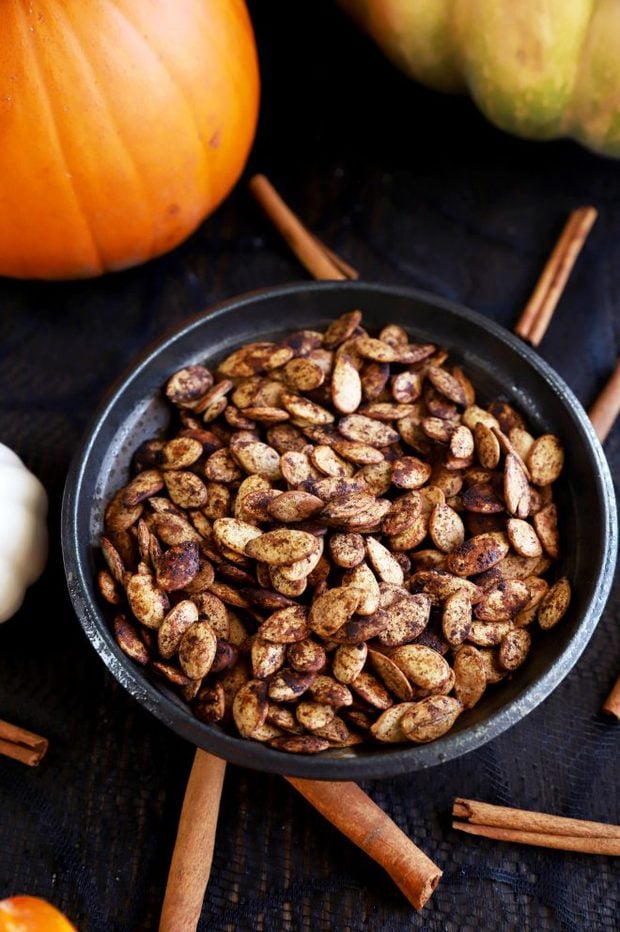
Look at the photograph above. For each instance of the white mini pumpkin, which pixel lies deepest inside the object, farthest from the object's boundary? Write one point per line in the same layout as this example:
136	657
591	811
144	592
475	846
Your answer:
23	531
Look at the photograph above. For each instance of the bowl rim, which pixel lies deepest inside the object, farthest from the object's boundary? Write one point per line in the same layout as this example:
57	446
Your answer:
257	756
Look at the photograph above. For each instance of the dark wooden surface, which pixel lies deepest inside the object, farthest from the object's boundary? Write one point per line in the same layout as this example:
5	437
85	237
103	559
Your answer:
412	188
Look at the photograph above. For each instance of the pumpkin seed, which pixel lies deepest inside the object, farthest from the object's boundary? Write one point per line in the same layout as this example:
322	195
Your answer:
295	506
173	627
221	467
305	410
462	442
406	387
327	690
327	461
303	342
406	619
346	385
170	673
178	566
347	550
456	619
392	676
395	335
422	665
383	563
217	504
187	386
266	657
225	656
473	415
257	458
113	560
129	640
482	497
348	661
288	587
387	728
337	733
521	441
313	715
414	353
197	650
436	428
488	634
282	547
332	609
545	459
250	707
516	487
358	452
234	534
285	438
362	579
210	704
374	377
212	609
371	690
504	601
109	588
286	625
361	629
447	385
439	584
366	430
446	528
409	472
477	554
487	446
470	679
430	718
335	487
342	329
546	527
119	516
554	604
283	718
146	600
523	538
303	375
307	656
514	648
300	744
289	685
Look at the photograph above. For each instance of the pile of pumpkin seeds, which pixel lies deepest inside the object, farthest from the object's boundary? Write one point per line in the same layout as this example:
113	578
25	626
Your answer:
336	544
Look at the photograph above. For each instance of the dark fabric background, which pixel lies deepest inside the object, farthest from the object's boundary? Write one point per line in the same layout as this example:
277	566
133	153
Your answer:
412	188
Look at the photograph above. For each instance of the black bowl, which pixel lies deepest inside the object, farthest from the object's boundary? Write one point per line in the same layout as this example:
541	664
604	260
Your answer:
499	365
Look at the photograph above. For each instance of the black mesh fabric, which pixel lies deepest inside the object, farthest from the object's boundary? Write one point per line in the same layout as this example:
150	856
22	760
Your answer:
416	189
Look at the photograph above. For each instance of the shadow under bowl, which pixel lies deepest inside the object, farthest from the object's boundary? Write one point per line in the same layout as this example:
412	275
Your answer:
499	365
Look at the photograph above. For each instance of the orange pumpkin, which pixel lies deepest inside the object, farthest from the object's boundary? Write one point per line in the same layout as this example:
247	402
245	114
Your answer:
123	124
30	914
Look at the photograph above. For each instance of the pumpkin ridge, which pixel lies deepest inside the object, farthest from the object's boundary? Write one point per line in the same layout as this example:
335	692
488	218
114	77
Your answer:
55	126
113	121
177	87
569	113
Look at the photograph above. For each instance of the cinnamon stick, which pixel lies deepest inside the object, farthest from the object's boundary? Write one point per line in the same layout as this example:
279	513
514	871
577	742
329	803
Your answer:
612	703
22	745
606	408
480	813
535	828
589	845
320	261
347	807
536	317
193	850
